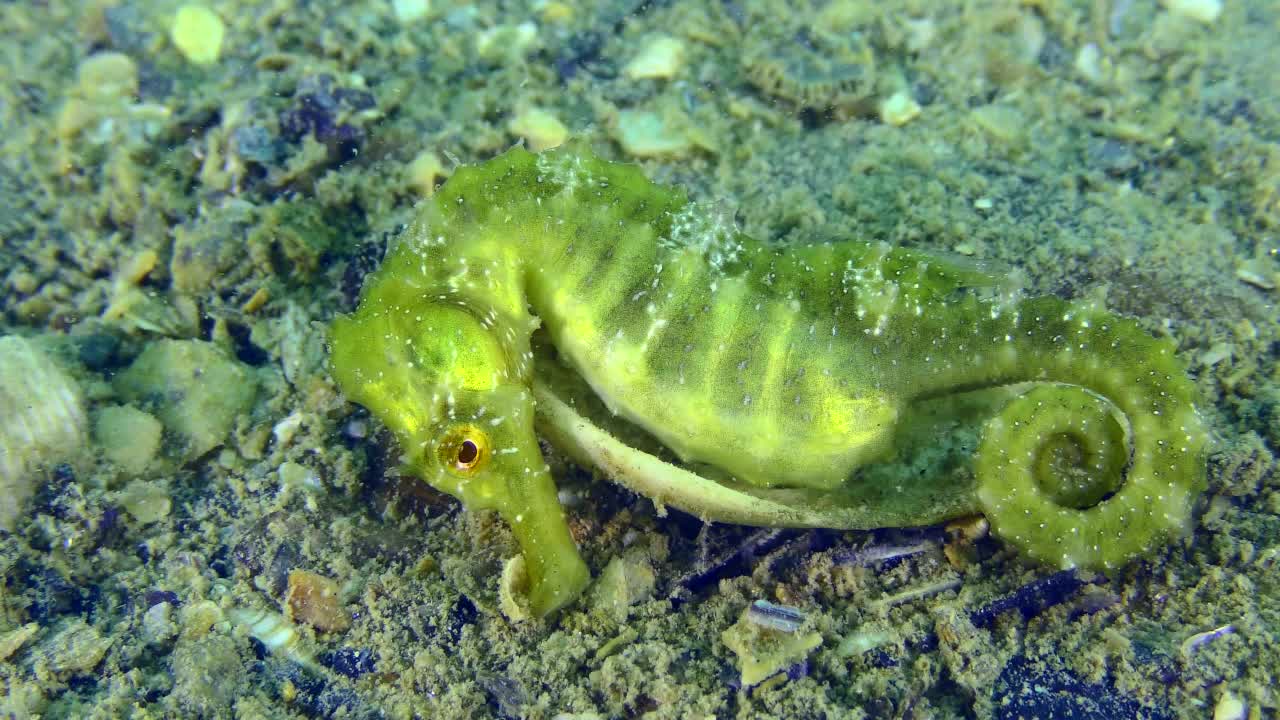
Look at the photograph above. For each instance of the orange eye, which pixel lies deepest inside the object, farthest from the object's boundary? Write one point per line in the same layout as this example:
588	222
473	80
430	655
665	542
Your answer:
464	450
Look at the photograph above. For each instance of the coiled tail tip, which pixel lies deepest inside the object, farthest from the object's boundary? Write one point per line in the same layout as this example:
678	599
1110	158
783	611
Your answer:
1074	480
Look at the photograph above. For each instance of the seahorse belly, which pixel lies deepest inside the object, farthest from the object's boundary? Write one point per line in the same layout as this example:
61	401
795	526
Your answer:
717	369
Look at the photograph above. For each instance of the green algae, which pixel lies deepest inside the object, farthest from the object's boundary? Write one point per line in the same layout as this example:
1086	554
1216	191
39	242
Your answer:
1145	191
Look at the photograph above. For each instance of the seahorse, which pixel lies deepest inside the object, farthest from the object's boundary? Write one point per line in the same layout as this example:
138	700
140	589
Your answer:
772	373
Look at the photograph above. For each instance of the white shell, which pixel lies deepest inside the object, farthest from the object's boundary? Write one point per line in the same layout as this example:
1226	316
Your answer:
42	421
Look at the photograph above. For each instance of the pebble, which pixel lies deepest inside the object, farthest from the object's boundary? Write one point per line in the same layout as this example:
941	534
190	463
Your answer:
541	129
661	58
425	172
642	133
75	649
16	638
146	502
127	436
624	582
197	32
314	599
410	11
108	76
1205	11
899	109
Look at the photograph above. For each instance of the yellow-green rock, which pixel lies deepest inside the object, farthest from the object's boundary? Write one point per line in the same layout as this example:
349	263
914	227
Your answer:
624	582
197	32
146	502
661	57
541	129
127	436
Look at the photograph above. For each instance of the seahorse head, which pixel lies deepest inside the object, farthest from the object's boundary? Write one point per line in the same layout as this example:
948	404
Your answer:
436	371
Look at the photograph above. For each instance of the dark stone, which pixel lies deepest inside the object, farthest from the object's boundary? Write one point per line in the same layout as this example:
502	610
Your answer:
255	143
367	257
1031	599
98	351
506	695
355	99
1025	691
246	352
155	597
319	697
462	614
352	662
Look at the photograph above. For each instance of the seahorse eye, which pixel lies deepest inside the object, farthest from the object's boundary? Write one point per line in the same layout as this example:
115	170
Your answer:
468	454
464	450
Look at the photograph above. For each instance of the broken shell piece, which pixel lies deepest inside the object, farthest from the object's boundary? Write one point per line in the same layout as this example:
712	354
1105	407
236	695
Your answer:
513	590
767	641
313	599
782	618
275	632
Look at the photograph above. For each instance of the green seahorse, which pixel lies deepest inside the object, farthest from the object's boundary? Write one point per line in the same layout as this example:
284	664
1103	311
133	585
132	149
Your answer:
772	373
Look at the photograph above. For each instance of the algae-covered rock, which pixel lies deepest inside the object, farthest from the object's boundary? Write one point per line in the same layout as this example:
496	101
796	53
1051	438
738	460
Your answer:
146	502
127	436
42	422
624	582
195	388
647	134
212	246
74	649
207	676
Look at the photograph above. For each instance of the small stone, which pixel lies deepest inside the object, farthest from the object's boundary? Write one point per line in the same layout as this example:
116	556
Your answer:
1258	274
540	129
899	109
642	133
411	11
208	676
1001	123
197	32
1205	11
199	618
314	600
157	623
661	58
624	582
506	43
425	172
1089	63
127	436
1230	707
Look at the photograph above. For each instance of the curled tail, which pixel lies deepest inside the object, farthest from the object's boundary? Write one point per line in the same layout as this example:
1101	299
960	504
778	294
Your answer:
1104	457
